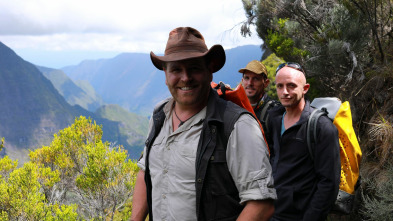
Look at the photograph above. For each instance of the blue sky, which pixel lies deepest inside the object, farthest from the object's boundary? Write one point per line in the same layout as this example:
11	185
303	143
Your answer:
58	33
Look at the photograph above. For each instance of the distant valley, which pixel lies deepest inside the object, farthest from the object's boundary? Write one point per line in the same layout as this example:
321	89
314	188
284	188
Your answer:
33	109
118	93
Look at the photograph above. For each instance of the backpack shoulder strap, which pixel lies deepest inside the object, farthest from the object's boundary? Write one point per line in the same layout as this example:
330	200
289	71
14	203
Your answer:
312	129
265	116
265	108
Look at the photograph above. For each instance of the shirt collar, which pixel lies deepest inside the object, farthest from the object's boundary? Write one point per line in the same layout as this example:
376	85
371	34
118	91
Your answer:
261	101
197	118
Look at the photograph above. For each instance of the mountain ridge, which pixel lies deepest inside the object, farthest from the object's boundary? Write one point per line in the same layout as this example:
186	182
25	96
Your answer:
74	92
131	80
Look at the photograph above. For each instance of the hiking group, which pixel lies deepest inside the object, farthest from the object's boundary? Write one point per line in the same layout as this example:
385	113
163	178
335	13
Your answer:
207	158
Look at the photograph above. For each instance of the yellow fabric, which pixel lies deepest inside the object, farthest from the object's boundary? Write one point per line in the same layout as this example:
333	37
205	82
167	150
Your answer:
350	152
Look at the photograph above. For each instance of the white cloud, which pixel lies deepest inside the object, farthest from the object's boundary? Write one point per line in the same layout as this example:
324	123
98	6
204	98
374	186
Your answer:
117	25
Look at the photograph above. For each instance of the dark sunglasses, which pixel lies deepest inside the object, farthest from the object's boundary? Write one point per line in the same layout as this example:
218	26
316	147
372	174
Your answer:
293	65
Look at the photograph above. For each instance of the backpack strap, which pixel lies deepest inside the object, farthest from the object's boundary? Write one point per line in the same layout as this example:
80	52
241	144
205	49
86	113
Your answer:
264	110
265	116
312	129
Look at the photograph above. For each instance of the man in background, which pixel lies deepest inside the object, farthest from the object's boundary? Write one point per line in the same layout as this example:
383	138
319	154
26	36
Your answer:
205	158
306	187
255	82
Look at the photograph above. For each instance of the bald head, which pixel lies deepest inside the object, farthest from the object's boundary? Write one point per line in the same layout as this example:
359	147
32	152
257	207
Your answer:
291	87
296	74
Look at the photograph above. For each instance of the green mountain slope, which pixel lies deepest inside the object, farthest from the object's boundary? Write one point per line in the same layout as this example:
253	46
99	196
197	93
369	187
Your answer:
132	126
76	93
32	110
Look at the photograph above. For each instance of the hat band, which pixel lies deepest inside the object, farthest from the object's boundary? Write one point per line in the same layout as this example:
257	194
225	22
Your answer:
187	48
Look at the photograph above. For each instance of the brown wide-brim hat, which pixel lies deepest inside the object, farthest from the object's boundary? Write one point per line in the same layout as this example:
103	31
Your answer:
256	67
186	43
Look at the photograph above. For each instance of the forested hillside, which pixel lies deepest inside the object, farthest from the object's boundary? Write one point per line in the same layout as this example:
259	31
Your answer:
346	48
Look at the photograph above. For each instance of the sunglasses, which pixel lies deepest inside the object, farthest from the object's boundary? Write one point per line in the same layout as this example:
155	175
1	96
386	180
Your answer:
293	65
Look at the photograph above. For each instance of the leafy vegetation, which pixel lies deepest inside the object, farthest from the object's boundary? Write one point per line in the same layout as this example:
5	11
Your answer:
271	63
20	195
77	177
378	206
346	49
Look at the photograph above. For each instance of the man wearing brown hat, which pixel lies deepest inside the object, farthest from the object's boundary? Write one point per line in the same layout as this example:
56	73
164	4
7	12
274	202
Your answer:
255	81
205	158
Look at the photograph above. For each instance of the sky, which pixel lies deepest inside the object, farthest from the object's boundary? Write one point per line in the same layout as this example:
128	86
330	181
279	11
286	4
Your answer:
58	33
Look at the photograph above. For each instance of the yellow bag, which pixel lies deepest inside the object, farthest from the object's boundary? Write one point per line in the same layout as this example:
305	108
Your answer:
350	152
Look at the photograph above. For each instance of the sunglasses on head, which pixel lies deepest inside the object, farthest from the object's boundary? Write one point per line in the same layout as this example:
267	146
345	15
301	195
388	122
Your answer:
293	65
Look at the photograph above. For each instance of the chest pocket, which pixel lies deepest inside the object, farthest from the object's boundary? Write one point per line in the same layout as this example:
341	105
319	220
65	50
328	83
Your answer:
187	149
301	134
302	139
294	144
181	161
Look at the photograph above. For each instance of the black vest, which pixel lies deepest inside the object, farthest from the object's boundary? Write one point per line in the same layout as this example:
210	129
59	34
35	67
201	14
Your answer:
217	197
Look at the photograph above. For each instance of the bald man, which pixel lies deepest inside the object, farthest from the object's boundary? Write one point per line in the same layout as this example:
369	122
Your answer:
306	188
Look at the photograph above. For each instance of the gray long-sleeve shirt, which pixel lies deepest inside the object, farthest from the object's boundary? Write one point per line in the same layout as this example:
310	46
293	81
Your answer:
172	165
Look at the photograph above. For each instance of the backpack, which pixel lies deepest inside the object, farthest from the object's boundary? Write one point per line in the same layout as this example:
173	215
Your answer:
237	96
350	152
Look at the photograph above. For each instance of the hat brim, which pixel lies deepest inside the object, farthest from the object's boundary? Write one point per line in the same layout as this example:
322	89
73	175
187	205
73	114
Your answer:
243	70
246	69
215	55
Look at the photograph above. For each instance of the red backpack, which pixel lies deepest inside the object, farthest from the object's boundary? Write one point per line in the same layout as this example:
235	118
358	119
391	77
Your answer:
237	96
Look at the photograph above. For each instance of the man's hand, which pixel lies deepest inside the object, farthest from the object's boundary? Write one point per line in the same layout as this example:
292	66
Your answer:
258	210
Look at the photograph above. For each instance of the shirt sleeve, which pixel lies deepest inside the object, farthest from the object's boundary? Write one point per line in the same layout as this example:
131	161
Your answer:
248	161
